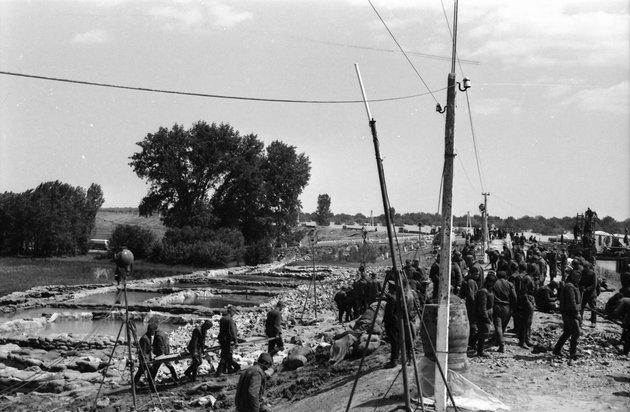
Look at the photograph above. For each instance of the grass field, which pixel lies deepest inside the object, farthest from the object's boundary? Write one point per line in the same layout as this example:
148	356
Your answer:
107	220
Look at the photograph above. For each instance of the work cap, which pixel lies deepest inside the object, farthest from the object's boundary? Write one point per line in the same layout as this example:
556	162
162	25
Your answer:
265	359
280	304
207	324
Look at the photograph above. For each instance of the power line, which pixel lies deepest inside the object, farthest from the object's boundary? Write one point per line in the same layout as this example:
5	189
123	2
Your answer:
401	50
215	96
412	53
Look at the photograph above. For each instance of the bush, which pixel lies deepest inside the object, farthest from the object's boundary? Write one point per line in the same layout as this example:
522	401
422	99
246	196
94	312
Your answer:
258	253
139	240
201	253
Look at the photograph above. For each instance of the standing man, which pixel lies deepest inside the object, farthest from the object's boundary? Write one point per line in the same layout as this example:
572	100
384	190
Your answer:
468	291
434	276
197	348
144	356
373	288
570	310
525	304
360	290
340	301
484	302
250	389
504	301
390	322
161	346
273	329
228	341
590	289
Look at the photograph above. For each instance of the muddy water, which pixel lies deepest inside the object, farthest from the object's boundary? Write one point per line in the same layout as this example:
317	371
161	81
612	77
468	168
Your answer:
72	321
222	301
133	298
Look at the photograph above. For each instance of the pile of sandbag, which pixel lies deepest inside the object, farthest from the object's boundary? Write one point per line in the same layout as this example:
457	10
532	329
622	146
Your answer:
353	343
297	357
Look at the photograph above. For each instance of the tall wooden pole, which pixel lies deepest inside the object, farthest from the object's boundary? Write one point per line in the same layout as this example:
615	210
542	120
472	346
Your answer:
390	236
441	339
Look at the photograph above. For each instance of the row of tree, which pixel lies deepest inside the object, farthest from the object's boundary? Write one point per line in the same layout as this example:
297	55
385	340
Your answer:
51	220
538	224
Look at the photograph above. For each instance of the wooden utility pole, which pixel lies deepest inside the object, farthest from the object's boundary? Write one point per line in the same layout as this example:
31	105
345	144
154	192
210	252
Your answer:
486	236
444	289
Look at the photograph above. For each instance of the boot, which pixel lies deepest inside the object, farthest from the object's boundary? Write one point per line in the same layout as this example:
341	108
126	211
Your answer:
220	368
480	344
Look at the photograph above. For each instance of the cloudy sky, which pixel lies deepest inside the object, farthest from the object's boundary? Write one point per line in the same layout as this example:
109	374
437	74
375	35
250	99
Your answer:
544	128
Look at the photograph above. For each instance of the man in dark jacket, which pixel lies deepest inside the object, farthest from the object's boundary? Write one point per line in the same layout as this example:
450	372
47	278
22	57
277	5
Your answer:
590	289
504	301
197	348
484	302
250	389
161	347
373	288
273	329
546	299
570	310
340	301
228	341
468	291
525	304
434	276
391	325
360	289
144	356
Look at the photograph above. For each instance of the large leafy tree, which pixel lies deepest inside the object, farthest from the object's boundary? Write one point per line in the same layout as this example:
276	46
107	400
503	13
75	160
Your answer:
212	176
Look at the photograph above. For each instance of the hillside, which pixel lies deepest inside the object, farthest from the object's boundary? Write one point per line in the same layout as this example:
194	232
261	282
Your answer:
108	219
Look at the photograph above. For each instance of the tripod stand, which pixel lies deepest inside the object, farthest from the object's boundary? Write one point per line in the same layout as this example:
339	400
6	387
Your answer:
312	240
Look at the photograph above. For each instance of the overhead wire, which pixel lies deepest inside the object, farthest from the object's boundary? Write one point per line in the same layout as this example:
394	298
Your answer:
215	96
402	50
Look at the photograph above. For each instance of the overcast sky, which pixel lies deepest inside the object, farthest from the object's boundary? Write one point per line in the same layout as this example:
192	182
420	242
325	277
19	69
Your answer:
549	103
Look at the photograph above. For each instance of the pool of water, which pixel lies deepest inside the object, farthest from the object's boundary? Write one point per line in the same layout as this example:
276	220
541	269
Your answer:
224	300
222	286
109	298
36	313
101	327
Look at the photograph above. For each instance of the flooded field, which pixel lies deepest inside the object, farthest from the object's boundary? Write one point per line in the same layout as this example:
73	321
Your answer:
224	300
133	298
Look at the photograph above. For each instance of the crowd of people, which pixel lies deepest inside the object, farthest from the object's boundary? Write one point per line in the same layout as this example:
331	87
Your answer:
513	284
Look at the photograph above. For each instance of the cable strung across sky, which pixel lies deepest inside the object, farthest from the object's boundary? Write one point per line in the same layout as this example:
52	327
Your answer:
215	96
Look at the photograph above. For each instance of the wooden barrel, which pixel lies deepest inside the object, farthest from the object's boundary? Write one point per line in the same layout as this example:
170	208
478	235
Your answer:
458	331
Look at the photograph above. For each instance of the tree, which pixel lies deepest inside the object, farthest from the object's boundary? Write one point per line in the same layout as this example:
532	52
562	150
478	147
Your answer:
212	176
323	213
51	220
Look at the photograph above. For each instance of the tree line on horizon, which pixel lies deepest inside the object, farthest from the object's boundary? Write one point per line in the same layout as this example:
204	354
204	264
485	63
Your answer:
537	224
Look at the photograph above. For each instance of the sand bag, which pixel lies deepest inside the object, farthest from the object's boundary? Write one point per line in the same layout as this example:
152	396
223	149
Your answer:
341	348
365	346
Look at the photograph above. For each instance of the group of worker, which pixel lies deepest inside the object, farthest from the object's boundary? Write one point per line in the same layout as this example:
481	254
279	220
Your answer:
511	286
353	299
251	385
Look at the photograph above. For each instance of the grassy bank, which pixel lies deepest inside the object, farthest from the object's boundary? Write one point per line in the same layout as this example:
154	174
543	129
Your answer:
19	274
